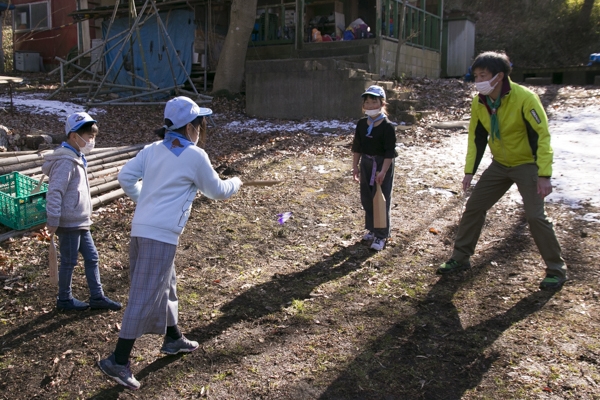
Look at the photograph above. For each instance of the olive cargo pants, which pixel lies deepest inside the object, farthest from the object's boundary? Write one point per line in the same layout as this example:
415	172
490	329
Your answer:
493	184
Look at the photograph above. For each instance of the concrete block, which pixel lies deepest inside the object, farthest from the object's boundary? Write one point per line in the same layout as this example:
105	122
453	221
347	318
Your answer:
398	105
407	117
386	85
539	80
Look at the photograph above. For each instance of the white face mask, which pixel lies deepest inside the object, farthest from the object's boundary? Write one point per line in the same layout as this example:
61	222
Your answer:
485	88
87	149
372	113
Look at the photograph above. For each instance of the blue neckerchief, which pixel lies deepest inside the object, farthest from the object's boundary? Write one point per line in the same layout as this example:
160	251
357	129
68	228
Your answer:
68	146
176	142
370	127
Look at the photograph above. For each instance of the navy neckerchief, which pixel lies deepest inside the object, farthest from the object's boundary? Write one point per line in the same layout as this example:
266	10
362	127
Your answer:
68	146
372	121
176	143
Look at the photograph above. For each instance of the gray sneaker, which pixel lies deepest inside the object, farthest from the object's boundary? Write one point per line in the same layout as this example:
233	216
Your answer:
181	345
378	244
120	373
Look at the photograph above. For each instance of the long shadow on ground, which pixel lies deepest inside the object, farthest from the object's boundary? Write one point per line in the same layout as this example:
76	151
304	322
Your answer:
429	354
44	324
261	300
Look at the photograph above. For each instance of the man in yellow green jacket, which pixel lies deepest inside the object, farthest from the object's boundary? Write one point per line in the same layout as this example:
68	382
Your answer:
511	120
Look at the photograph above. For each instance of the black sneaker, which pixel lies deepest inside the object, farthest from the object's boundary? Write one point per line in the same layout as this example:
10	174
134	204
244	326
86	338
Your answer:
181	345
120	373
104	303
452	266
552	282
72	304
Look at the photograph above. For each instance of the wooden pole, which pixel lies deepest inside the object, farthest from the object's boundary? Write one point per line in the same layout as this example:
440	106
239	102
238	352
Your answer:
107	197
102	180
127	37
166	35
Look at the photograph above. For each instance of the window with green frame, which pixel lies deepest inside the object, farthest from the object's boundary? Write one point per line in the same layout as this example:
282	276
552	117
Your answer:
422	22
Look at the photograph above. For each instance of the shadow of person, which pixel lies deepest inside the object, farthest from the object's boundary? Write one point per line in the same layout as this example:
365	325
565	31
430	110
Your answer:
277	293
437	358
261	300
45	324
431	354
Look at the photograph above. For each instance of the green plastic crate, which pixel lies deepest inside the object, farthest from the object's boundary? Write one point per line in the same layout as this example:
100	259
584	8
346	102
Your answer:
19	209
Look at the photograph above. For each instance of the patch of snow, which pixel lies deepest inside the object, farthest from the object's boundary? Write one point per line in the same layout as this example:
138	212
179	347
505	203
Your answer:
36	103
575	140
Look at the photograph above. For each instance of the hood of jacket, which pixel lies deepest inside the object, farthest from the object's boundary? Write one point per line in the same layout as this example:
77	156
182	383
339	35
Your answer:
61	153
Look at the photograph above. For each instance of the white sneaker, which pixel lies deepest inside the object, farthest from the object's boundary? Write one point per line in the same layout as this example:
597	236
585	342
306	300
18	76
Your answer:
378	244
369	236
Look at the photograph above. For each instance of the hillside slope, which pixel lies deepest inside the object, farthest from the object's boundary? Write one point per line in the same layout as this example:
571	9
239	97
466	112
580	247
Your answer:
534	33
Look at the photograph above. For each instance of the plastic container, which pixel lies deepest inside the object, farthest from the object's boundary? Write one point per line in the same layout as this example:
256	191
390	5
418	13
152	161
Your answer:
19	209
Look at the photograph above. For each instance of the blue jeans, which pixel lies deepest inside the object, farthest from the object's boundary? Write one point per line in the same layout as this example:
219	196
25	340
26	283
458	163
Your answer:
71	244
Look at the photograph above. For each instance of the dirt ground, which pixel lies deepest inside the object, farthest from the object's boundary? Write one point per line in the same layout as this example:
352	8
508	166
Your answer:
305	310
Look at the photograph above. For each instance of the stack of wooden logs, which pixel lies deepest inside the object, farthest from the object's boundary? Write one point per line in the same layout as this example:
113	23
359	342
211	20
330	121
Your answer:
103	166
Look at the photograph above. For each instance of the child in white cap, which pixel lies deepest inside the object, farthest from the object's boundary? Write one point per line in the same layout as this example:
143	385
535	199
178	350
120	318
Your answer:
163	180
374	150
69	210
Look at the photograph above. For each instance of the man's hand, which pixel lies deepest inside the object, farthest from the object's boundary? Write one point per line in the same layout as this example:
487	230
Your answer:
544	186
466	182
51	229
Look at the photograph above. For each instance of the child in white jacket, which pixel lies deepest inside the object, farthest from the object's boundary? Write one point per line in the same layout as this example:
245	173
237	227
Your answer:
163	180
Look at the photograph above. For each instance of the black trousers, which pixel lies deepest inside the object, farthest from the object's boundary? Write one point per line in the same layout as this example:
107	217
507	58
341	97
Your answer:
367	192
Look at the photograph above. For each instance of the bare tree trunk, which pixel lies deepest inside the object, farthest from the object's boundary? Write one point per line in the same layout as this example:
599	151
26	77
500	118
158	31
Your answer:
230	70
585	14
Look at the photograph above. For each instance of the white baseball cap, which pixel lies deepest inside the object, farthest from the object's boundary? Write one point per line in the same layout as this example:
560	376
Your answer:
183	110
375	90
76	121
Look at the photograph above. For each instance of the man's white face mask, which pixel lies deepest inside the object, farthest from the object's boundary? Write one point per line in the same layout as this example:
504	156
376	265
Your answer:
485	88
